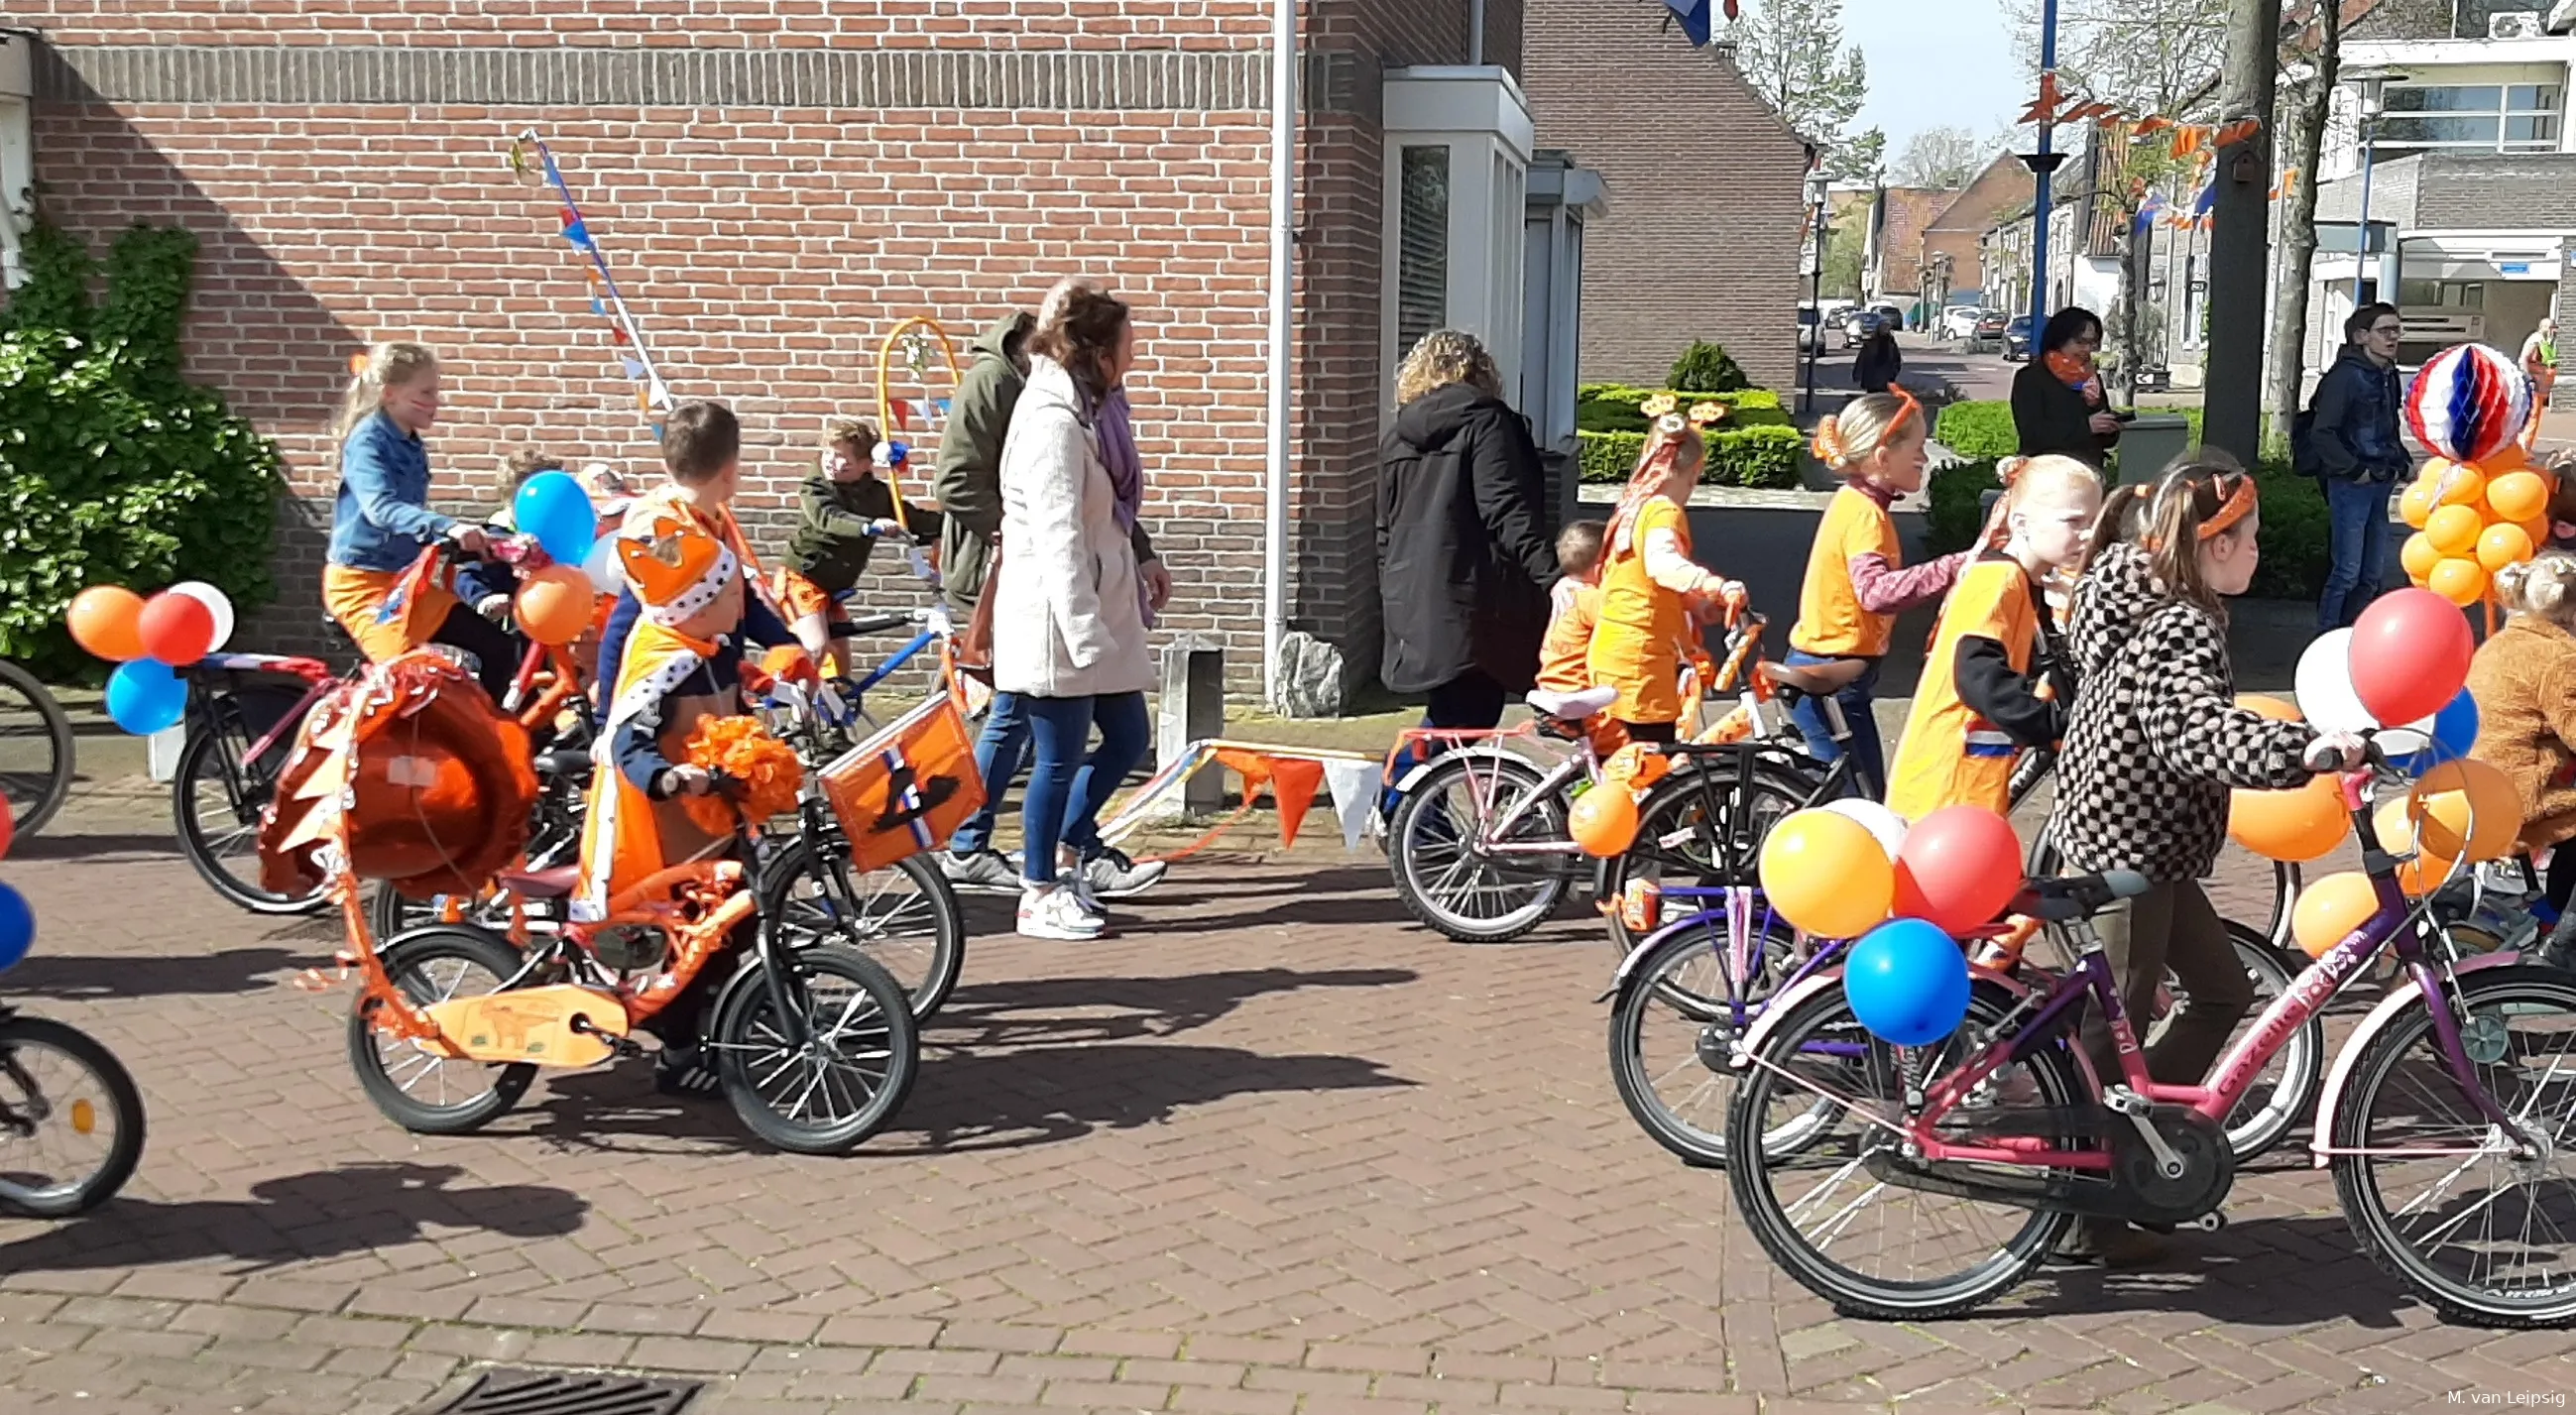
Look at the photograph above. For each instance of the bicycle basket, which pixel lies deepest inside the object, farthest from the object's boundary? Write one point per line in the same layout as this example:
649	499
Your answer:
908	788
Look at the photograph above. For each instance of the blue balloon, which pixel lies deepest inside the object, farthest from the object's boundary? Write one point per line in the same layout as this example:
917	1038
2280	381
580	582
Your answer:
553	507
17	927
1907	982
145	697
2455	730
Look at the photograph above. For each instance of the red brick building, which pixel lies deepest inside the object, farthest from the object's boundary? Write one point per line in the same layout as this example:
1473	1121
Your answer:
776	185
1897	223
2004	188
1706	191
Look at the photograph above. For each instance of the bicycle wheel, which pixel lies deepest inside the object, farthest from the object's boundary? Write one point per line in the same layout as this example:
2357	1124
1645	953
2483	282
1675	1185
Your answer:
216	800
71	1121
905	917
849	1076
2431	1187
415	1087
1703	827
2286	1088
1438	848
1838	1217
1675	1023
36	749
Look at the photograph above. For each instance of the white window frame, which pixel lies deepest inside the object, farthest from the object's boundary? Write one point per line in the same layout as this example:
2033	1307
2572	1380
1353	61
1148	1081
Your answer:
1479	114
2504	112
17	154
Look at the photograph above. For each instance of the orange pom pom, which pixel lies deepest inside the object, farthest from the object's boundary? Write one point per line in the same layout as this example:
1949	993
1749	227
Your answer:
767	768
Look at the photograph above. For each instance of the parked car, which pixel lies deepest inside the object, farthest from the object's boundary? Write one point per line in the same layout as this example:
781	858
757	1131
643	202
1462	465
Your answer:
1890	317
1960	322
2017	339
1809	329
1857	326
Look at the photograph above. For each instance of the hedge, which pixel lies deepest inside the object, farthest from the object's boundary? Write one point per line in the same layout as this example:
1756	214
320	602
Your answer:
1760	457
2293	537
1983	431
1612	407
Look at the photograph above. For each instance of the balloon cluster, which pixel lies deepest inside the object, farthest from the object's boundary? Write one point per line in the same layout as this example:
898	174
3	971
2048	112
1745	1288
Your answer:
1853	869
149	640
2478	505
557	603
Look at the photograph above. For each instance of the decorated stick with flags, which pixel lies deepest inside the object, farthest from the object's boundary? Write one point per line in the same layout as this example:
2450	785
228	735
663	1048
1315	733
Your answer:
530	158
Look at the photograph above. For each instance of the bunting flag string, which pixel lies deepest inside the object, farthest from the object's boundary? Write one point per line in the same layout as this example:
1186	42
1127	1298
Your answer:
530	158
1291	776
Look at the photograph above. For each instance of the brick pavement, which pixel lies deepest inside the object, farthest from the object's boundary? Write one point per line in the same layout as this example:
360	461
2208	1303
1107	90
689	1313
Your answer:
1270	1153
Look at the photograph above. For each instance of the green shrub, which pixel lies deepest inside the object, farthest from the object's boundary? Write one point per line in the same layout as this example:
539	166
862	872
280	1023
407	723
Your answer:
1951	516
1707	365
1978	431
113	468
1613	407
2293	538
1764	458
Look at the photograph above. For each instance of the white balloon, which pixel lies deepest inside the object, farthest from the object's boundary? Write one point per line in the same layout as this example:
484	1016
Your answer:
2324	686
1883	824
607	574
216	604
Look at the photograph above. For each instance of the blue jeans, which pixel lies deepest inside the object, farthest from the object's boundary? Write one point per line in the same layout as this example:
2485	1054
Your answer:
999	754
1066	789
2357	538
1869	759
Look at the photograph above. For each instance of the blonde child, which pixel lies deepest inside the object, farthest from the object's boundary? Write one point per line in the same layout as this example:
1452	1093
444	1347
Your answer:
2155	744
381	521
1854	588
2524	681
1651	590
842	511
1574	606
1989	689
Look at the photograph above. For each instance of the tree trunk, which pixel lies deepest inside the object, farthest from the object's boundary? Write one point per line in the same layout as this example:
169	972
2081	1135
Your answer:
2299	225
2133	300
2240	246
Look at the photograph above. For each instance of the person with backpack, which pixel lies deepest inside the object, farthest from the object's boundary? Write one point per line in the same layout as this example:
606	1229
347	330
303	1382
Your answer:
2348	441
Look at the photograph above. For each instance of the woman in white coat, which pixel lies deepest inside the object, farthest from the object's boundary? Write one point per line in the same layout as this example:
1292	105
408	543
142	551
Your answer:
1071	615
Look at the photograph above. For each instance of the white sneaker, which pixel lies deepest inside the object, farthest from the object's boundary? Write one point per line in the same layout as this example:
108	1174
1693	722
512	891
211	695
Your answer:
1055	911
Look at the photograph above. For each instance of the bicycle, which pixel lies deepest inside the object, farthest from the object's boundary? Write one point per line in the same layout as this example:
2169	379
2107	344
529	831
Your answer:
36	749
2008	1114
58	1088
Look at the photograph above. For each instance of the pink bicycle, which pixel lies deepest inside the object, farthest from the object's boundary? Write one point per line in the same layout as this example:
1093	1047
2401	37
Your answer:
1948	1173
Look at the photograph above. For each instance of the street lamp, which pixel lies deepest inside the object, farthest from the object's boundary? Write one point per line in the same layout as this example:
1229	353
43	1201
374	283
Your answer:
2373	84
1815	334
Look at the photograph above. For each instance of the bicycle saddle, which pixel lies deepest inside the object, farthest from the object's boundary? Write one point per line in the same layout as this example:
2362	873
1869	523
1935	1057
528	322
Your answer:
540	884
567	762
1572	707
1816	680
2077	896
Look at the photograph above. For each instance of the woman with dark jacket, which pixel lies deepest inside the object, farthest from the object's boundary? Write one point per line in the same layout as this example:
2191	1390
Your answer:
2058	405
1464	562
1879	363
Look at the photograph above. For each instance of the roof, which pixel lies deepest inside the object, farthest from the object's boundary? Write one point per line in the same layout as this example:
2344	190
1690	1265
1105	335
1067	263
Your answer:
1976	206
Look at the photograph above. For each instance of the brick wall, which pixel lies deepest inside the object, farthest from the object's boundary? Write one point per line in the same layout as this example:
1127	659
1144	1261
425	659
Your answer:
770	209
1905	212
2005	185
1706	191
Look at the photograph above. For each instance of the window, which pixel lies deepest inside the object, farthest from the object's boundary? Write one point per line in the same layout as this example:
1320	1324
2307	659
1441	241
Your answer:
2480	117
1422	258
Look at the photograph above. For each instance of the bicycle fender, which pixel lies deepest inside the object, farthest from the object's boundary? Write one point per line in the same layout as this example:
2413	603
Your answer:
1652	941
1785	1003
2330	1099
1421	769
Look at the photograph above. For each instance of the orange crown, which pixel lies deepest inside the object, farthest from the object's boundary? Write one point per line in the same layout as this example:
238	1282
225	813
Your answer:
679	567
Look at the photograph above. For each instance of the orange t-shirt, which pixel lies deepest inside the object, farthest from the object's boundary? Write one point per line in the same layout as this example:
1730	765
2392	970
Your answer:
1831	623
1636	645
1563	657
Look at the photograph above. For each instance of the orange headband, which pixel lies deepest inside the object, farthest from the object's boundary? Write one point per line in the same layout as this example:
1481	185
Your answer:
1828	445
2232	510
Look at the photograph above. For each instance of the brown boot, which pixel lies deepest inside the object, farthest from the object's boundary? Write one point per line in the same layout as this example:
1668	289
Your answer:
2110	1243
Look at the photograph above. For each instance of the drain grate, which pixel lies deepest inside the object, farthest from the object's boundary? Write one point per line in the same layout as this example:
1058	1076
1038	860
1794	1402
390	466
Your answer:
502	1392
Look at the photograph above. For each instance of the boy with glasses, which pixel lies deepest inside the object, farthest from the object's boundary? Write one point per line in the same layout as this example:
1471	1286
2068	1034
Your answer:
2354	442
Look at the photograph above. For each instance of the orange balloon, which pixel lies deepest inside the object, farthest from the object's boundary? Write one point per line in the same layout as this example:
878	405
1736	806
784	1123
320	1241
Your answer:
1826	874
2538	529
2300	824
107	620
1603	820
2503	544
2462	582
2419	557
2273	708
2518	496
2415	503
2466	808
2330	909
2460	484
555	604
2509	458
2453	530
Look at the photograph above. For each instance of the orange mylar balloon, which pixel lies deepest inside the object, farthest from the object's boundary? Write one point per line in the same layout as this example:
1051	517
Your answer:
2502	544
555	604
2416	503
2467	807
1827	874
2419	557
2301	824
2508	458
2538	529
1604	820
2459	483
2330	909
2273	708
2461	581
2518	496
2453	530
107	620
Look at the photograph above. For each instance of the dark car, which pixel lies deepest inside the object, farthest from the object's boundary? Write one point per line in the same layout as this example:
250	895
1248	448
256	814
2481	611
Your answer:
1858	325
2017	339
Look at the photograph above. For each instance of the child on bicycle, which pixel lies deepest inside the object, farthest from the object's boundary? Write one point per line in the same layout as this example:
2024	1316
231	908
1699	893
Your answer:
2153	748
2524	681
381	521
842	511
1993	685
1651	589
490	585
1574	605
1853	590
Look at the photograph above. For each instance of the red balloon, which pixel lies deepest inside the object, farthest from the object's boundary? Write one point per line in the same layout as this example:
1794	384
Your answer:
1958	868
8	826
2410	655
178	629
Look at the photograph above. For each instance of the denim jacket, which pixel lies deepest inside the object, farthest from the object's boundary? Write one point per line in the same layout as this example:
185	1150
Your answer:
381	518
2355	430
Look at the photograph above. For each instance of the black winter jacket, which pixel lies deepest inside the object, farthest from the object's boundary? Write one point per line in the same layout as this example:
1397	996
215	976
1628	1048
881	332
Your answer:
1463	558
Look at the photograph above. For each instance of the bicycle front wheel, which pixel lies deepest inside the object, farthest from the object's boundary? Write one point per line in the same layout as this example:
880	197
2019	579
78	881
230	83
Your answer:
850	1074
35	749
906	917
71	1121
1674	1026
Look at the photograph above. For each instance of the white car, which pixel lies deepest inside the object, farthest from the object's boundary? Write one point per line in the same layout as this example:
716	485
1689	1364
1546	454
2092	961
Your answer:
1960	321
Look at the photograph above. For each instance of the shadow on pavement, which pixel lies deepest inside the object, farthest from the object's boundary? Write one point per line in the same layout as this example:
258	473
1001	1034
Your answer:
75	975
2265	1272
1347	895
297	1218
88	847
1009	1100
1034	1012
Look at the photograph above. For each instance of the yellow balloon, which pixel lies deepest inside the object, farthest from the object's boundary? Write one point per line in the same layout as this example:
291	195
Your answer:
2460	484
2518	496
2330	909
2301	824
1827	874
2419	557
2415	503
2462	582
2453	530
2503	544
2467	807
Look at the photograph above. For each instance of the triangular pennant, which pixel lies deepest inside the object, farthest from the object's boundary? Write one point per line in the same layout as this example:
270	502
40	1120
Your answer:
1355	788
1294	781
899	413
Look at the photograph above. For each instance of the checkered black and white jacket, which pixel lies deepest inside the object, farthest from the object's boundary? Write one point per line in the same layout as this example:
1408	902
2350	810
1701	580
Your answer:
2157	740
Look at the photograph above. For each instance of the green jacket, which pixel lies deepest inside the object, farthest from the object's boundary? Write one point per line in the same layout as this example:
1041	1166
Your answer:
967	478
832	541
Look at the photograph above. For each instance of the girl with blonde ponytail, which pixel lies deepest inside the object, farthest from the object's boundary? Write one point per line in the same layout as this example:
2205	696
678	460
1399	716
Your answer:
1651	589
2524	682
